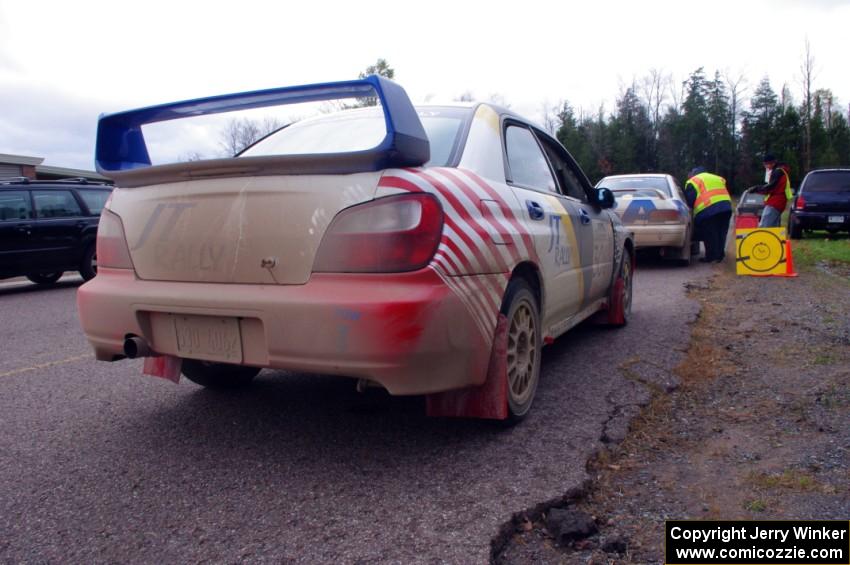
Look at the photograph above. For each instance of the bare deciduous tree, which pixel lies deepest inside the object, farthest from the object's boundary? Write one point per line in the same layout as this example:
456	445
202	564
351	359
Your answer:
190	156
786	99
807	71
677	95
549	116
737	86
242	132
653	87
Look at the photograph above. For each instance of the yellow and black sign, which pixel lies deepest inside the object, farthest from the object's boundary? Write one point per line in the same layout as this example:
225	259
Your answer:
761	251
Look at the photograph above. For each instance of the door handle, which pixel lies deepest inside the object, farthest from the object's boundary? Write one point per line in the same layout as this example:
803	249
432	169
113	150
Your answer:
585	218
26	228
535	210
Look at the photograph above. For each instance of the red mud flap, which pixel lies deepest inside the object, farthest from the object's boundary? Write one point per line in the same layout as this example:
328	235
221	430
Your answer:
615	309
164	367
489	400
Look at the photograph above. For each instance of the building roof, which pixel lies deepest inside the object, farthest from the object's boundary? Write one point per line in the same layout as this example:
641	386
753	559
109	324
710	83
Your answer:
48	172
20	159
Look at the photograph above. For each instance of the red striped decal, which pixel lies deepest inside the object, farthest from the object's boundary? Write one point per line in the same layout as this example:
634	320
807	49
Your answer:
475	199
467	250
509	215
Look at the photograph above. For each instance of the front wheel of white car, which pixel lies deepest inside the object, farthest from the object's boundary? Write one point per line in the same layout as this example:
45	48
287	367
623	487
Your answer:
524	346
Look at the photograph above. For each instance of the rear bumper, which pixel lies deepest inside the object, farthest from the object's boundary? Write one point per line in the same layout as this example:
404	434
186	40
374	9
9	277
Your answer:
672	235
409	332
820	220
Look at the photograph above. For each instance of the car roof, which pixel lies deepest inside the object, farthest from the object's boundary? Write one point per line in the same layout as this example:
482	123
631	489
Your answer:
23	182
472	107
638	175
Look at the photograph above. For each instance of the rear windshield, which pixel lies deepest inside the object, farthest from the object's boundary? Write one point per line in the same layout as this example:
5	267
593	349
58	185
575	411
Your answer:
94	199
360	130
641	185
828	181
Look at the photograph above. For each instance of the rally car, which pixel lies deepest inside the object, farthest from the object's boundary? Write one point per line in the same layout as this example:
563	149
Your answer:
429	250
654	207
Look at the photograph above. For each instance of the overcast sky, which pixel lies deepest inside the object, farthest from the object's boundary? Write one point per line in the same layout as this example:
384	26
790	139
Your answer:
63	63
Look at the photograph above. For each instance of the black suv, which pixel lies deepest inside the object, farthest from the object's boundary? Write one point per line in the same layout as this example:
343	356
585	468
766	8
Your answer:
48	227
822	203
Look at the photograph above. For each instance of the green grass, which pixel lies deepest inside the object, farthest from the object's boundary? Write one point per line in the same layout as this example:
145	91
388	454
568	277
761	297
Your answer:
823	359
790	479
816	248
756	505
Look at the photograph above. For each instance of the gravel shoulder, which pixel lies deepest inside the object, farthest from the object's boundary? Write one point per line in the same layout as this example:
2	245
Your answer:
757	429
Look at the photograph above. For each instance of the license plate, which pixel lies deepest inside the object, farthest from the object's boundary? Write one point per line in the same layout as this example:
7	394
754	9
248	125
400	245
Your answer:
836	219
209	338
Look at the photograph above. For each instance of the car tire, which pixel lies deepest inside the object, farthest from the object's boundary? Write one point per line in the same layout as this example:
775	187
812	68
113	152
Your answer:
218	375
45	278
524	347
620	296
88	266
795	230
684	254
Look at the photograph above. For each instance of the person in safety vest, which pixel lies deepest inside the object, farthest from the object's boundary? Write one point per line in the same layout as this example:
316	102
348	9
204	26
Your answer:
708	197
777	191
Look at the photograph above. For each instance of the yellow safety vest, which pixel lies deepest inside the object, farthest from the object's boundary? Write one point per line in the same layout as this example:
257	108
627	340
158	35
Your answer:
710	190
788	193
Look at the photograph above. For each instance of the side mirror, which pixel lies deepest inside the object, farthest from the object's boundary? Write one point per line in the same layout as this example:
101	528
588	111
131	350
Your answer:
604	198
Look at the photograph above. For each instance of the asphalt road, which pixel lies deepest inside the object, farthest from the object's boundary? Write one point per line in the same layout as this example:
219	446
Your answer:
101	464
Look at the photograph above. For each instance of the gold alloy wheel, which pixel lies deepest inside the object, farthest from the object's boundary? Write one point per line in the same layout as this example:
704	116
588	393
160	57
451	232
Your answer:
522	353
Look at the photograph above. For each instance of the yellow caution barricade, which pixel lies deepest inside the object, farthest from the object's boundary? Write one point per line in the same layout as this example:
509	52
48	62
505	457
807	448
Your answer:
763	252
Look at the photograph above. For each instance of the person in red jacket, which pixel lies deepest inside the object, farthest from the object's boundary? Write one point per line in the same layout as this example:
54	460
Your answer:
777	191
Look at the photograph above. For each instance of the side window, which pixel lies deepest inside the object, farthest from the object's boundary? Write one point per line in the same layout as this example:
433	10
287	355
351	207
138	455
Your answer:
94	199
526	162
15	205
569	181
56	204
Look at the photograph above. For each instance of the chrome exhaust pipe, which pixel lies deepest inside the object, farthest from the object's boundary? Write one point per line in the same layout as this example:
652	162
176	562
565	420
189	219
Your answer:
136	347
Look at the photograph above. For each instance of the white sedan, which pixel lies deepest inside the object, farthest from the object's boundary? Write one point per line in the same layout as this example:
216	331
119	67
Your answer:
653	206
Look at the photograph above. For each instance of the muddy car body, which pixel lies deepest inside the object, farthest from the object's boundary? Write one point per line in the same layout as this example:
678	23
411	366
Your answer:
439	259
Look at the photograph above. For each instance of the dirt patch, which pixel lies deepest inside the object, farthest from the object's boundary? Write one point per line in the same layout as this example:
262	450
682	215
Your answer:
757	426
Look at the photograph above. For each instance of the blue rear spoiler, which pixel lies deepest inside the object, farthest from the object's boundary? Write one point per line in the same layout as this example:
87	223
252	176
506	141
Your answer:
121	144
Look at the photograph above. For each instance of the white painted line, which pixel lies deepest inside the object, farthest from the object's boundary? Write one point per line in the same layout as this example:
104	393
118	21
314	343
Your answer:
46	365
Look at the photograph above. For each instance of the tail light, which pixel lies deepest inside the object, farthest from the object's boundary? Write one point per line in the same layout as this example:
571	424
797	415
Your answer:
800	202
667	216
112	251
388	235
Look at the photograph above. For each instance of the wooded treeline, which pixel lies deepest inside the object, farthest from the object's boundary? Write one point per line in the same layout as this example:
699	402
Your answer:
653	128
660	126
